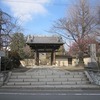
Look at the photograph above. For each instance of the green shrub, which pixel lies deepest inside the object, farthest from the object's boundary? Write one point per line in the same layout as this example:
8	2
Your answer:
10	62
15	59
6	64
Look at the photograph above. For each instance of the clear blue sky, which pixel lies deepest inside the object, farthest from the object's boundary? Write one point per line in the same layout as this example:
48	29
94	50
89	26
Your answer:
36	16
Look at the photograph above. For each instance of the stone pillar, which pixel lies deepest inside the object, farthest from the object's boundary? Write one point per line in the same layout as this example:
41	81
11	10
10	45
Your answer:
93	52
94	63
36	57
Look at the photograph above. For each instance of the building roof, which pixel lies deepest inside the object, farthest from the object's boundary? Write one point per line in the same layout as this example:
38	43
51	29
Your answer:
44	40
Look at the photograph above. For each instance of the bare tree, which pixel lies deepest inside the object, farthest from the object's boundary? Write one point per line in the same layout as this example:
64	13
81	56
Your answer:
4	17
7	25
77	26
98	20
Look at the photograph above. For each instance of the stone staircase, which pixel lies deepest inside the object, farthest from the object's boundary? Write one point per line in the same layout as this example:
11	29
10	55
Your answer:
49	78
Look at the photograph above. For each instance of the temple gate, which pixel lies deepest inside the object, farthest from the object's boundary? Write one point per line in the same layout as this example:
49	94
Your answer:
44	44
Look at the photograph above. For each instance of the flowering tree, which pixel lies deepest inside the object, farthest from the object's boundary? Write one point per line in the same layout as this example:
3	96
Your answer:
74	49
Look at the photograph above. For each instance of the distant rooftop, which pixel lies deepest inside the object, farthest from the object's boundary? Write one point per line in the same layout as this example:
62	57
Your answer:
44	40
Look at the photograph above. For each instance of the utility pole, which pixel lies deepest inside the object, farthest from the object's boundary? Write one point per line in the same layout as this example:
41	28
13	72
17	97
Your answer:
0	37
0	29
0	45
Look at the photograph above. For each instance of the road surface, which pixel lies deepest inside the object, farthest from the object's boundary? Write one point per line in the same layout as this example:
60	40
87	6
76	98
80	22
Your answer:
50	95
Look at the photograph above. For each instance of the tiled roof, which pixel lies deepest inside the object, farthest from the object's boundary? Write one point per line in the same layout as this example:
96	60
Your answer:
44	39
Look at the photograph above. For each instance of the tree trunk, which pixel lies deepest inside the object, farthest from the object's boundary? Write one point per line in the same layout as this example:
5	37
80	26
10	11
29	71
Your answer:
81	59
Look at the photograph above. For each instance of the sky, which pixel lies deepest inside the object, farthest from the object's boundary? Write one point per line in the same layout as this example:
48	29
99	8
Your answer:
37	16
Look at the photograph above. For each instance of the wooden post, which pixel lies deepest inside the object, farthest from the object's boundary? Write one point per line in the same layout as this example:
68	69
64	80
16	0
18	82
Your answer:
37	57
54	60
0	63
37	60
52	57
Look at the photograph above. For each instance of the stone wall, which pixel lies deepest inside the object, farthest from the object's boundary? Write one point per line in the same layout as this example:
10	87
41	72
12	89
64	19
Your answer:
64	62
59	62
27	62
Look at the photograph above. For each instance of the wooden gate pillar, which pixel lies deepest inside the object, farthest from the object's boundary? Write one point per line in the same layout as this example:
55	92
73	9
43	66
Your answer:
52	57
36	57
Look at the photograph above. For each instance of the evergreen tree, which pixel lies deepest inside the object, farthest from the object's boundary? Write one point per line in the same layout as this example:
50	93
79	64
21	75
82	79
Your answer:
18	43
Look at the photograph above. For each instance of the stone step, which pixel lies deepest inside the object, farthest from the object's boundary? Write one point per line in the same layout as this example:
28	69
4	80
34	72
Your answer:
77	79
59	73
24	77
22	83
14	74
69	75
83	82
49	73
74	73
36	82
13	77
39	74
44	76
79	76
72	76
46	80
53	83
52	76
16	80
23	80
18	83
52	86
25	83
49	80
78	83
60	79
30	80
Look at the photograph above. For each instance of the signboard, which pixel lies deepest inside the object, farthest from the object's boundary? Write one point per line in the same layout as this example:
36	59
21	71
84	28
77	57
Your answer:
2	53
